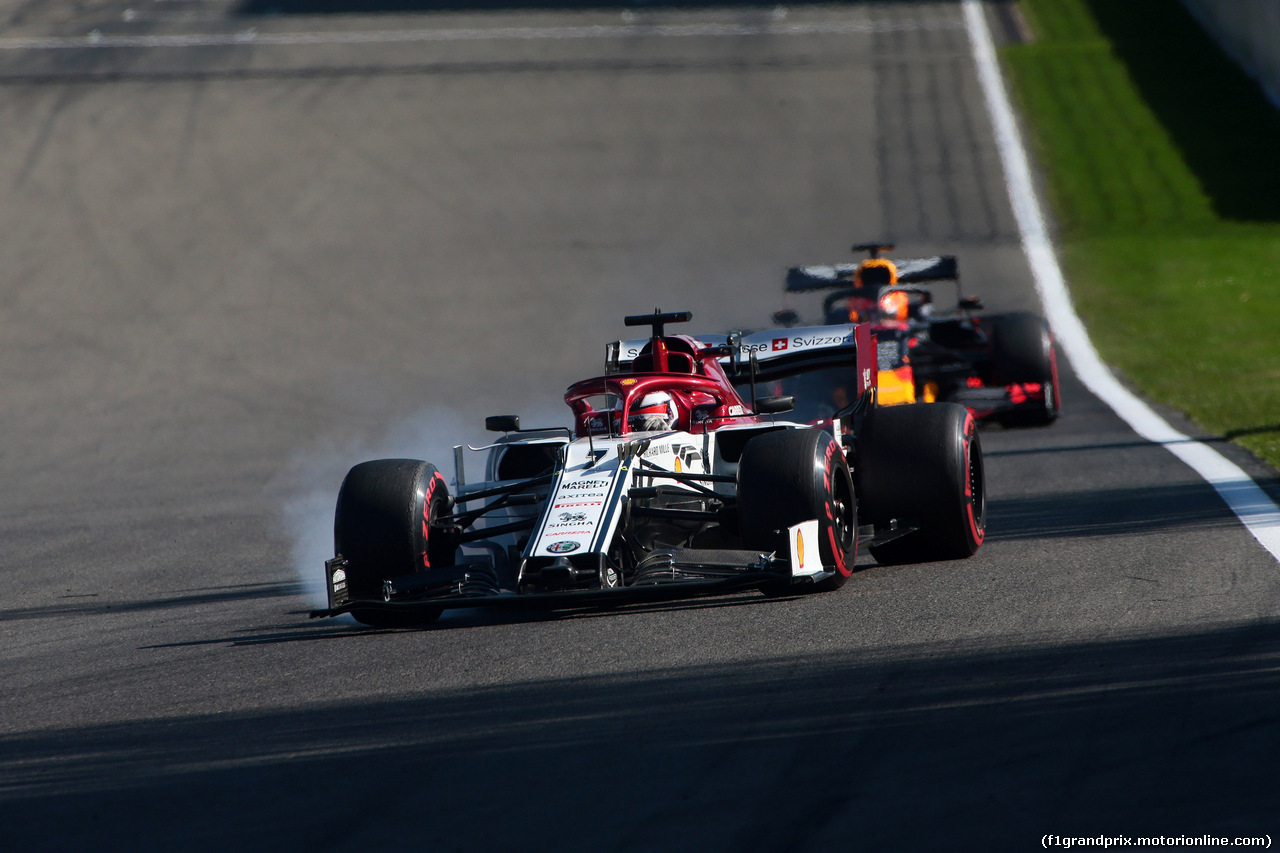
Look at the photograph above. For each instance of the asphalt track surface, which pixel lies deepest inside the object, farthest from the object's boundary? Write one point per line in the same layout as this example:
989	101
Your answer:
233	267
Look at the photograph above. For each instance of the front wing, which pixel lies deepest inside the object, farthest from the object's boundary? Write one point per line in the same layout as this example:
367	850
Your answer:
663	576
666	576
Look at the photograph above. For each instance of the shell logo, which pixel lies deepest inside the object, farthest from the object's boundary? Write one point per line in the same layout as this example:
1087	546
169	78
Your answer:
627	382
800	548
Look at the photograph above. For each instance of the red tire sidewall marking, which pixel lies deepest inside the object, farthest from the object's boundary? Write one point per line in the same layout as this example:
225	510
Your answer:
828	477
975	533
436	480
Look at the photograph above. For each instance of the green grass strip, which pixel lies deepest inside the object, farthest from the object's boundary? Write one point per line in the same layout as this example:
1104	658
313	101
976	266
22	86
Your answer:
1162	165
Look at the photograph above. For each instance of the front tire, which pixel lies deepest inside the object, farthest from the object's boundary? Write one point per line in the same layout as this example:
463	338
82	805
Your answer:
385	526
795	475
923	462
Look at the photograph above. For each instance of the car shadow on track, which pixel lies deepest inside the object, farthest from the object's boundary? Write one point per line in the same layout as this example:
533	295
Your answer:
890	749
343	627
94	604
1115	512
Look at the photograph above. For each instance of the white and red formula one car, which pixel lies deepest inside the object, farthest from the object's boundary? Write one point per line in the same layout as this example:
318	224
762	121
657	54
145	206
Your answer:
670	483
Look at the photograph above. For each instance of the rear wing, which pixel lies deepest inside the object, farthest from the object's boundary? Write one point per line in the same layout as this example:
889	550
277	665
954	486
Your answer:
774	354
910	271
830	372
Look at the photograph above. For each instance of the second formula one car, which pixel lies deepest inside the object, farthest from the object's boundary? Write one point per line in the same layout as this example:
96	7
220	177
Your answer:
670	482
1003	367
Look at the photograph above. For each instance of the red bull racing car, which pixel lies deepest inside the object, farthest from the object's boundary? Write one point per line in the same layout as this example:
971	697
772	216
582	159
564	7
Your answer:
1002	367
670	482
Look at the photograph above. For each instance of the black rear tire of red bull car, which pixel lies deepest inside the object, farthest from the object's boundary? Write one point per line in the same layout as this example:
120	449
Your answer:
1022	352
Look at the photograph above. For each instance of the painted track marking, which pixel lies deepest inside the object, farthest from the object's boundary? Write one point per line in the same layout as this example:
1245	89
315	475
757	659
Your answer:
98	41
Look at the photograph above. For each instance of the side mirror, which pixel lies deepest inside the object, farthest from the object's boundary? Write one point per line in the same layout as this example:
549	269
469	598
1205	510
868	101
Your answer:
787	317
502	423
774	405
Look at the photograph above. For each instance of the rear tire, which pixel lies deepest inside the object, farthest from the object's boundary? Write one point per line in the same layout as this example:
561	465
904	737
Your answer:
1021	349
923	462
1022	352
794	475
384	525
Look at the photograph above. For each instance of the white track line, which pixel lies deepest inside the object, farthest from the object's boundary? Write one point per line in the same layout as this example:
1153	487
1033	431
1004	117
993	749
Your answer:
1246	499
97	40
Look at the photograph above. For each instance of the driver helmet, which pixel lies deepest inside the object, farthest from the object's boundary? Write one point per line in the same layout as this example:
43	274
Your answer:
876	272
654	411
895	305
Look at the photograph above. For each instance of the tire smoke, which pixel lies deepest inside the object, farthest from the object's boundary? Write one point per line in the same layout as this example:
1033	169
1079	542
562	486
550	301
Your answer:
310	482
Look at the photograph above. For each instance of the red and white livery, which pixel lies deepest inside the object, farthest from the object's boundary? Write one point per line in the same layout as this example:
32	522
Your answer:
681	474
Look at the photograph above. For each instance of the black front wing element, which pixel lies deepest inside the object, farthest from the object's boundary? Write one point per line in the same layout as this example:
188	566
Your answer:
663	576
